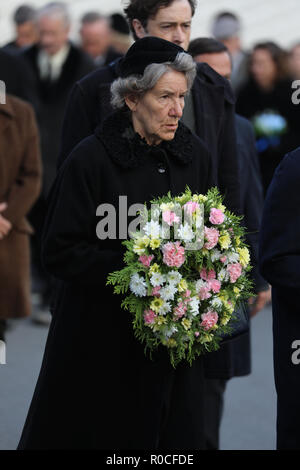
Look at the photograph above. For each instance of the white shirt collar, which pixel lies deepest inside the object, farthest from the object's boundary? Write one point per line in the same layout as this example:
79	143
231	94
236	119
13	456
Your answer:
56	62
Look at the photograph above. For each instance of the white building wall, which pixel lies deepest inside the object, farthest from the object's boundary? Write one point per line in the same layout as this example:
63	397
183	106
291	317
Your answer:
277	20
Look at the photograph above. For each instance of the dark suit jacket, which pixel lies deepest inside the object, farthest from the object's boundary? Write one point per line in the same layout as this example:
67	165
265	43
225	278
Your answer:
89	104
280	265
52	98
233	359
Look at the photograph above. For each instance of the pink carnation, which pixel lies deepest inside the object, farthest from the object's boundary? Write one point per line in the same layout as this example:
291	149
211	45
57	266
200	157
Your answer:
155	291
214	285
206	275
204	293
173	254
180	310
170	217
191	207
212	237
197	334
209	320
149	317
146	260
223	259
234	271
216	216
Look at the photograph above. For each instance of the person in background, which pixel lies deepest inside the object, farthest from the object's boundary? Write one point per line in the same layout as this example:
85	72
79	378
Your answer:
56	64
20	182
95	34
294	62
120	33
233	359
226	28
25	26
266	99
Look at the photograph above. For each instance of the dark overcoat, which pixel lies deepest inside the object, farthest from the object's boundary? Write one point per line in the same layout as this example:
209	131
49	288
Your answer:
280	265
20	182
96	388
52	99
213	103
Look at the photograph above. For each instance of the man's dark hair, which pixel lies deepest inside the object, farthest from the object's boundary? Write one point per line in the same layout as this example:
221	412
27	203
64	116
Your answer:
23	14
206	46
142	10
91	17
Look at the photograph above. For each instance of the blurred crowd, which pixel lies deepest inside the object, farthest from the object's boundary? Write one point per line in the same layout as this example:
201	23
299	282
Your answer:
39	68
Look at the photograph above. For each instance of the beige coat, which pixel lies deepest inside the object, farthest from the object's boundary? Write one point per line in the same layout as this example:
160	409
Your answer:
20	180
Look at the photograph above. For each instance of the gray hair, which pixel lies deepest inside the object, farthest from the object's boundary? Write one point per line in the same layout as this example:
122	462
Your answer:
140	84
55	9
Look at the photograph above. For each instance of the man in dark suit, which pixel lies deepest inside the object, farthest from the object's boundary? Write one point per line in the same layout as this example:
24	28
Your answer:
233	358
56	64
25	26
280	265
209	111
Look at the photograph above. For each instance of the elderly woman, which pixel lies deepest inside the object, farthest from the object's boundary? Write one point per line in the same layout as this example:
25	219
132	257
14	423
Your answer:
97	389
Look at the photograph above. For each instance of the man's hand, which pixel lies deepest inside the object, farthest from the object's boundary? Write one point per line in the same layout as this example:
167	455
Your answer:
259	302
5	225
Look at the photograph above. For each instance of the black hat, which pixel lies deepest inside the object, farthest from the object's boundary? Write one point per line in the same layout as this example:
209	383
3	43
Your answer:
146	51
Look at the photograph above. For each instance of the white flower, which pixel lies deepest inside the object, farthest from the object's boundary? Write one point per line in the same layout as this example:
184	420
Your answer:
165	308
194	306
169	331
152	229
185	232
174	277
199	284
215	255
216	302
232	257
223	275
157	279
168	292
138	285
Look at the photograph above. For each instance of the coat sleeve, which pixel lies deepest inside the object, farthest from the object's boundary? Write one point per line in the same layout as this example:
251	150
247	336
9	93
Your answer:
26	188
70	248
280	230
228	169
76	124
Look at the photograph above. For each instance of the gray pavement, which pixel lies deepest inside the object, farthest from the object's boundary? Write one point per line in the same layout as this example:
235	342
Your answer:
250	402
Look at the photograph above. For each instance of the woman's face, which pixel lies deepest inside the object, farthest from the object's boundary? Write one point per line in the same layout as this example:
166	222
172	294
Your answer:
263	68
155	114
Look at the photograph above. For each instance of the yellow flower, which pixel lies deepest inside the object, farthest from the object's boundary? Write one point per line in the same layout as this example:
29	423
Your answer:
244	256
156	304
158	322
225	320
167	206
237	241
154	268
140	245
224	240
186	323
182	286
205	252
202	198
237	291
206	338
221	207
155	243
171	343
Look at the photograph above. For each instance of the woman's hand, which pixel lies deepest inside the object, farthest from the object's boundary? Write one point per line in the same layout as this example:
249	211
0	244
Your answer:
5	225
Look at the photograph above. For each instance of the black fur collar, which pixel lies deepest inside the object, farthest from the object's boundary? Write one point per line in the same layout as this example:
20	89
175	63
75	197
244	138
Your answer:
129	150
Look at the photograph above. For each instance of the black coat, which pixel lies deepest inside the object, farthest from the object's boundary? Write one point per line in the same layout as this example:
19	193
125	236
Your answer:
253	100
233	359
96	387
52	100
280	265
89	104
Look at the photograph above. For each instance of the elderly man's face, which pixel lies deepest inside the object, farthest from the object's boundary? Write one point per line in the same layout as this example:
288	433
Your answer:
219	61
95	38
53	34
155	114
172	23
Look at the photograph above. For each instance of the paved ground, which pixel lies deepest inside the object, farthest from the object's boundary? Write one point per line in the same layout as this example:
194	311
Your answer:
249	417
